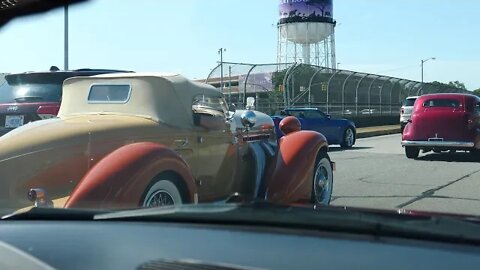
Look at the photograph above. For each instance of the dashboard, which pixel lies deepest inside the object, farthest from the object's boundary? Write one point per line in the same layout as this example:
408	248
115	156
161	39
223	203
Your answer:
155	245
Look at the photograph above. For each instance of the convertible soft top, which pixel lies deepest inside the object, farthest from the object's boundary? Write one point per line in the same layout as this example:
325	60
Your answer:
165	98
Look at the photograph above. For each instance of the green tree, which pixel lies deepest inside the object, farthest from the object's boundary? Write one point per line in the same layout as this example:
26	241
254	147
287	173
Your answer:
452	86
277	78
476	92
457	84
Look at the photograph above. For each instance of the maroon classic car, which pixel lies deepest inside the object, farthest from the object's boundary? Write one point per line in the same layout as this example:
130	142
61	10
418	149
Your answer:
443	122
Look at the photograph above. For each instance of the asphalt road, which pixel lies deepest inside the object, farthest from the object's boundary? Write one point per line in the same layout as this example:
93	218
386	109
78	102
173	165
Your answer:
376	174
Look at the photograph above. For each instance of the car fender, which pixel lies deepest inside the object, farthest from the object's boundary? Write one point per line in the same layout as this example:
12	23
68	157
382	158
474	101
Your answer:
407	130
290	176
120	179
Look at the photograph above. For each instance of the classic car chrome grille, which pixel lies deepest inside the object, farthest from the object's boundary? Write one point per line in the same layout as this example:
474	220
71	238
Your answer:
254	138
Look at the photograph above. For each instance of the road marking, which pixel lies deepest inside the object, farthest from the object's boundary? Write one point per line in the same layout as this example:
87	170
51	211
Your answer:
430	193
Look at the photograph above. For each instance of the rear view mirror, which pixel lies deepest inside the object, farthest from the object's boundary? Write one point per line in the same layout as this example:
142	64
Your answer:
329	116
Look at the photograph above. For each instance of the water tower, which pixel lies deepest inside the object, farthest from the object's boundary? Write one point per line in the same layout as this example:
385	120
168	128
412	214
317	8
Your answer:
306	32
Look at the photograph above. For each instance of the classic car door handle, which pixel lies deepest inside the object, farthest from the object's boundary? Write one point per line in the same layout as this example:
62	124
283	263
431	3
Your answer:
181	143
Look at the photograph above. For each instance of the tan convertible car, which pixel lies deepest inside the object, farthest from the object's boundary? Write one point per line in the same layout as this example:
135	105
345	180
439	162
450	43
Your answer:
129	140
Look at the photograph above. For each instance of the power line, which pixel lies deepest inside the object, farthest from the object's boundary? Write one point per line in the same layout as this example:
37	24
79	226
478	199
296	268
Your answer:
399	68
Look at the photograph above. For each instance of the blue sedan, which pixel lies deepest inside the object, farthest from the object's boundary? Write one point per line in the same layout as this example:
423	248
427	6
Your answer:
337	131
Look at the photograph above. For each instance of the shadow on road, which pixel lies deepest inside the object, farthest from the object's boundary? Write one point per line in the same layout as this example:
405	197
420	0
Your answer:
340	149
445	157
413	198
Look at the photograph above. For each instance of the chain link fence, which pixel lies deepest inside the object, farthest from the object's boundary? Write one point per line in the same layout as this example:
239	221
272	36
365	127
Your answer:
334	91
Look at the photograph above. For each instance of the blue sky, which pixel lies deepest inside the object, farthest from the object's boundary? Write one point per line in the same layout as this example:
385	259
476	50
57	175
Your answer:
379	36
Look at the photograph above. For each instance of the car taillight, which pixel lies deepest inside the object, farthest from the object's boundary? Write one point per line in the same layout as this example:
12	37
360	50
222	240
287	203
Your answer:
471	123
48	111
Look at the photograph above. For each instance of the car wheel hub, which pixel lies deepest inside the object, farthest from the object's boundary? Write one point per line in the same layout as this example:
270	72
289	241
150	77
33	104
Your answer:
160	198
349	137
322	187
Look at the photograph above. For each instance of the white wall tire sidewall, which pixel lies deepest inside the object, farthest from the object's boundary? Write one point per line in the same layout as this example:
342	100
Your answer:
169	187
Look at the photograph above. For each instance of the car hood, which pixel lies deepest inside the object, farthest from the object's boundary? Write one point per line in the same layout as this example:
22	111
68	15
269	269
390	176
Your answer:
339	120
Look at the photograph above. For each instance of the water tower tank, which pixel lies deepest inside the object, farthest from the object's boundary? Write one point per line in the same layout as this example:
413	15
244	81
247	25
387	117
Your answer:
306	32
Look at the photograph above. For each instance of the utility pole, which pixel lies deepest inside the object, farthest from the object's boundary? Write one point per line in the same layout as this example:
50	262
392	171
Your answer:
65	49
230	85
423	61
221	51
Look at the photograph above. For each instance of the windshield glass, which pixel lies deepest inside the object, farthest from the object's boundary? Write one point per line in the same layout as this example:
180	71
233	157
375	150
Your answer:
12	93
292	102
409	102
432	103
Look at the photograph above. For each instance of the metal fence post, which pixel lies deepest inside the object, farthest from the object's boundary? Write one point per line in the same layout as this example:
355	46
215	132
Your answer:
285	82
381	92
211	73
328	87
400	92
419	92
391	90
413	86
343	91
308	91
356	92
370	88
310	84
245	89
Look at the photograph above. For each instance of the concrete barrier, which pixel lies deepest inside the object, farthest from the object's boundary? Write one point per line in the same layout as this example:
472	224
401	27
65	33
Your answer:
373	120
377	131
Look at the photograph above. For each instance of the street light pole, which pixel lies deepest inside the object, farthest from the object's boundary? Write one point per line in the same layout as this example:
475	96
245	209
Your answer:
65	49
422	70
423	61
230	85
220	51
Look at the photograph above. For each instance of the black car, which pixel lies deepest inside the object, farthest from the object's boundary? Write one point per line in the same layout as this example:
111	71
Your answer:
32	96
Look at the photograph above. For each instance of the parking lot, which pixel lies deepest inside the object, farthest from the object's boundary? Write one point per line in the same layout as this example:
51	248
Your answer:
376	174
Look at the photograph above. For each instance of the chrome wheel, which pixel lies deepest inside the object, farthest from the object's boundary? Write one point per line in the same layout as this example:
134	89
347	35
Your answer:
323	181
349	138
162	193
159	198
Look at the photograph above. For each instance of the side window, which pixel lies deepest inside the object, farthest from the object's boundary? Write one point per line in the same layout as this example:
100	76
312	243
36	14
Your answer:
297	114
209	112
109	93
212	105
314	115
441	103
